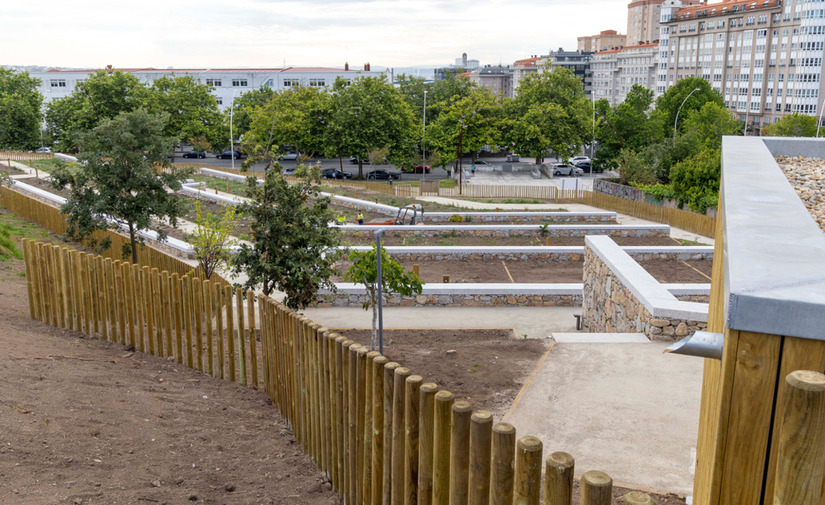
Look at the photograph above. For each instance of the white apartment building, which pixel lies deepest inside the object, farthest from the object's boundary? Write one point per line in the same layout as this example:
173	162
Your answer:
226	83
616	71
523	68
764	57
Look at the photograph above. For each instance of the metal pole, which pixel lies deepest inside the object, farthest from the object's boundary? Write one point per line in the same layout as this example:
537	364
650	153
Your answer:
819	123
680	110
231	136
380	281
423	133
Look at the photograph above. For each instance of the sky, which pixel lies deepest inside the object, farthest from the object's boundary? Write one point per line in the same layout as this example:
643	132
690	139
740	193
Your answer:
274	33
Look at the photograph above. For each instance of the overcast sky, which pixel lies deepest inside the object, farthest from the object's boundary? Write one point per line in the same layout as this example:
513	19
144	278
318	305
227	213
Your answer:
271	33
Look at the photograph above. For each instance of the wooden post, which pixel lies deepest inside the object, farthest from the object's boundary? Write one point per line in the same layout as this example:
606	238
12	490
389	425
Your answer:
446	279
801	460
366	476
481	432
147	309
398	438
177	292
558	479
346	444
597	488
548	241
377	477
527	490
219	303
460	452
31	270
60	287
100	293
209	313
197	301
129	302
441	447
230	332
91	292
241	337
253	336
341	414
503	464
111	300
140	308
187	318
361	367
389	386
411	430
168	313
640	498
157	309
352	415
416	268
426	411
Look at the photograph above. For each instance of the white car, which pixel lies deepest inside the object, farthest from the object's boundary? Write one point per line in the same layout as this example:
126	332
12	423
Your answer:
578	159
564	169
43	150
288	156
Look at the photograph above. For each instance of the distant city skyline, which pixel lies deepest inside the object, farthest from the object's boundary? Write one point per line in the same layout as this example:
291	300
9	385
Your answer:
275	33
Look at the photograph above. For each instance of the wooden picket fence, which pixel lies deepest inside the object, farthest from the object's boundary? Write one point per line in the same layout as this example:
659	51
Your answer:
49	217
382	434
23	156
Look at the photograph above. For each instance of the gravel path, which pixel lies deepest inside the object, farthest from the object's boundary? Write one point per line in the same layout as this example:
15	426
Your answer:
807	176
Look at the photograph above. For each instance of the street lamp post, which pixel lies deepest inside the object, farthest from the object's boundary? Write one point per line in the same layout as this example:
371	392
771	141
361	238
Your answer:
423	134
680	110
231	136
819	123
379	281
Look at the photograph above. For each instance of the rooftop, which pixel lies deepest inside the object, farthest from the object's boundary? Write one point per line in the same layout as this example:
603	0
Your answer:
724	8
206	70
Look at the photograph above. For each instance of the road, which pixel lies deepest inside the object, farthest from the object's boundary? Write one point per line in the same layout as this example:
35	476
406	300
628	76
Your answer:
435	174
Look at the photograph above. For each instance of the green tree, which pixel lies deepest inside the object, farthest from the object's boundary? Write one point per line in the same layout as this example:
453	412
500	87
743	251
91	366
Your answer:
294	117
212	239
696	179
465	124
793	125
668	104
369	113
293	249
191	109
118	181
711	123
245	105
626	126
103	95
550	111
394	279
634	168
20	103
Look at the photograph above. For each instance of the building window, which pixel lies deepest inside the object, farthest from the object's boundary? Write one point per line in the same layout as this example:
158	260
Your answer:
213	82
317	82
239	83
288	83
219	100
57	83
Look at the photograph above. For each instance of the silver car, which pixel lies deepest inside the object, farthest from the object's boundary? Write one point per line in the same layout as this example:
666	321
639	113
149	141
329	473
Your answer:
565	169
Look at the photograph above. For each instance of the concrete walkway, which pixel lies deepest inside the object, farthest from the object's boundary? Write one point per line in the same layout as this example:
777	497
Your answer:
623	408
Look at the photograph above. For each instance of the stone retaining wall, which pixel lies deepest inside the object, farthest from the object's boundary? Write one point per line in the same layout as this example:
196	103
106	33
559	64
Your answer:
620	296
457	300
512	231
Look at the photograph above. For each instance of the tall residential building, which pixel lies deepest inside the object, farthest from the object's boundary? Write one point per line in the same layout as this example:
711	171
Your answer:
765	57
497	79
607	39
576	61
615	71
226	83
643	20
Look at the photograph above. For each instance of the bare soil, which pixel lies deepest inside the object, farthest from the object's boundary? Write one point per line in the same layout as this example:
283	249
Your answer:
46	185
485	367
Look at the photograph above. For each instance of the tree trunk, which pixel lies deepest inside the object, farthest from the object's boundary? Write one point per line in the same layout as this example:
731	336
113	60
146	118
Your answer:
133	243
360	168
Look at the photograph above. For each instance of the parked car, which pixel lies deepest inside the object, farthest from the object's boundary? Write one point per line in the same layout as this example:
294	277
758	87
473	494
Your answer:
565	169
195	154
382	175
331	173
288	156
354	161
288	171
577	159
43	150
228	155
418	169
584	165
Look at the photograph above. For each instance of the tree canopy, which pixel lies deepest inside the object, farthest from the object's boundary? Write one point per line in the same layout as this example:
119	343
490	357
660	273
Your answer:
793	125
118	181
20	103
668	104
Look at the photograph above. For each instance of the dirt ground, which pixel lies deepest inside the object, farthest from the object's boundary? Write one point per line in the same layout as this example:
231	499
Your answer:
484	367
542	271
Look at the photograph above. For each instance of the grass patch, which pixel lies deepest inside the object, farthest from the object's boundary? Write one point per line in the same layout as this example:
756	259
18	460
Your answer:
19	228
233	187
48	165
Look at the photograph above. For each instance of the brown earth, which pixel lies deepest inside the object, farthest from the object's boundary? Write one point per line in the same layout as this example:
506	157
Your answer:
543	271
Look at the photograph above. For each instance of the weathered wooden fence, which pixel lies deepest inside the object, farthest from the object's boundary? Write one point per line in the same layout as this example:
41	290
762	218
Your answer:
383	434
23	156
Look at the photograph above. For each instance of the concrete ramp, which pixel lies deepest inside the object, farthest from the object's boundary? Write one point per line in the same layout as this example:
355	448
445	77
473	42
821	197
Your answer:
617	404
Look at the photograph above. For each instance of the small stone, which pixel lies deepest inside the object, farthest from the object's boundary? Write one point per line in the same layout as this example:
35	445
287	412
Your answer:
229	488
451	351
193	497
682	330
155	483
660	323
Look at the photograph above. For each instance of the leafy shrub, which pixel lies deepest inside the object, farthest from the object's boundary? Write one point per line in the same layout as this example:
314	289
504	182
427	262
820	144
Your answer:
455	218
696	180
